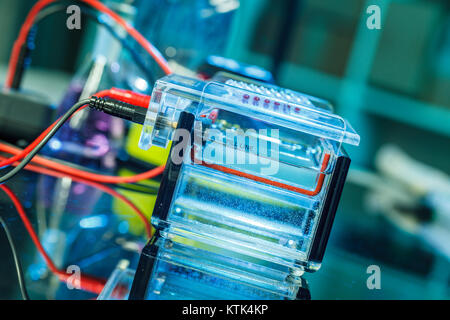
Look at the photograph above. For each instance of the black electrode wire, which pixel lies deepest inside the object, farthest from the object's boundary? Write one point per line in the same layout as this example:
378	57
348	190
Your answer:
136	186
140	188
41	144
17	264
138	60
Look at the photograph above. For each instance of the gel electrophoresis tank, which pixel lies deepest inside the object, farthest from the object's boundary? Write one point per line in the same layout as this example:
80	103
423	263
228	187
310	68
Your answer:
249	193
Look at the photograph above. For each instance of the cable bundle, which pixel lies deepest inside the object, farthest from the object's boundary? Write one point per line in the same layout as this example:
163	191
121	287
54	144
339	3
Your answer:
124	104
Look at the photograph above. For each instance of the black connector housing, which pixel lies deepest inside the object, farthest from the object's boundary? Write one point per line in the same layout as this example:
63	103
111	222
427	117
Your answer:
119	109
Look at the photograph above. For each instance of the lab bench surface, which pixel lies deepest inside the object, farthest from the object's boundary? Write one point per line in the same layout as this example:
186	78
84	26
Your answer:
89	232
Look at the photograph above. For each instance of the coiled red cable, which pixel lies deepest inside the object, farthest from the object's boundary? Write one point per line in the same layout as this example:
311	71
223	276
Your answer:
87	283
114	193
115	93
25	29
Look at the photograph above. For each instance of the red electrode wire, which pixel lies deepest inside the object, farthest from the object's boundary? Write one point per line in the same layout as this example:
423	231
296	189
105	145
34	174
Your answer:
31	146
119	94
106	189
27	25
85	174
314	192
127	96
86	283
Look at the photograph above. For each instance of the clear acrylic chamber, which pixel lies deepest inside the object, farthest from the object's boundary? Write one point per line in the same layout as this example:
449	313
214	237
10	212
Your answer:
249	193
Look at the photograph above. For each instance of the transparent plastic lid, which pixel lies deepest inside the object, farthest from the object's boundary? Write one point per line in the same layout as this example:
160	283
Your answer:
284	108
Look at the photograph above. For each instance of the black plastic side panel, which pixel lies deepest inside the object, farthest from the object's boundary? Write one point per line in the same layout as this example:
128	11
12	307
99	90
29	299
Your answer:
303	291
329	209
161	210
172	171
144	270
